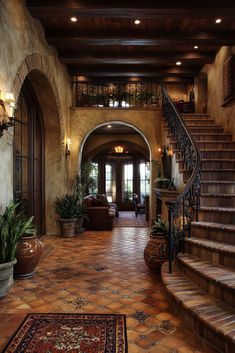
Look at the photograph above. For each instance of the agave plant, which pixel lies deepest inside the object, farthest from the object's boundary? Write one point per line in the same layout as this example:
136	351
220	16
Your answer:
13	225
68	206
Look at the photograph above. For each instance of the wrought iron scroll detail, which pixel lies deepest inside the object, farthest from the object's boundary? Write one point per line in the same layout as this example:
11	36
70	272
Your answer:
183	210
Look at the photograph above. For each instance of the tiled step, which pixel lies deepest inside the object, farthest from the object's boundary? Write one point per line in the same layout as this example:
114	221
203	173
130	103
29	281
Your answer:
224	233
217	200
199	122
206	129
210	144
208	317
215	153
221	254
218	281
224	136
214	174
218	186
223	215
195	116
212	163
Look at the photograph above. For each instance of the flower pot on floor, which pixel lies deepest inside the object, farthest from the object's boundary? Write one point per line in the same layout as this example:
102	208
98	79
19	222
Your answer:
28	253
156	252
68	227
6	277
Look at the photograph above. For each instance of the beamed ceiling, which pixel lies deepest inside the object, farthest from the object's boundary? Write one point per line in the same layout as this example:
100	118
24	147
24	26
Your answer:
106	44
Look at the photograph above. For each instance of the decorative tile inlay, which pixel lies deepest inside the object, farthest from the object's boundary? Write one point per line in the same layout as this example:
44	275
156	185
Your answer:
100	268
79	302
140	316
167	326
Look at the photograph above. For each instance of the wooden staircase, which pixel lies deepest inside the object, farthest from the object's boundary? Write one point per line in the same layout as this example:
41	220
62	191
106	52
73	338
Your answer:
202	285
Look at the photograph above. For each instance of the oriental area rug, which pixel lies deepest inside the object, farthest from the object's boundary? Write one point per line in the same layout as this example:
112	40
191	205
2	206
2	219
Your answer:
73	333
128	219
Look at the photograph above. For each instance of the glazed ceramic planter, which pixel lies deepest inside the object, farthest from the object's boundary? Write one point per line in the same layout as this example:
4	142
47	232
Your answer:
156	252
28	253
6	277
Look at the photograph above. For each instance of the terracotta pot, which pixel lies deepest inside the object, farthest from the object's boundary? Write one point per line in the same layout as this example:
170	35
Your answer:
156	252
6	277
28	253
68	227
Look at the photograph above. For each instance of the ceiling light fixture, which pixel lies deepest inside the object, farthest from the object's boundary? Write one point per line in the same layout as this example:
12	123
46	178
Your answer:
218	20
137	22
178	63
73	19
109	126
195	46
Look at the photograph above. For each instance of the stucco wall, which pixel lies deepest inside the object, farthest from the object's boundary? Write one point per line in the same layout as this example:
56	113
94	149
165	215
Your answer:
223	115
85	120
24	50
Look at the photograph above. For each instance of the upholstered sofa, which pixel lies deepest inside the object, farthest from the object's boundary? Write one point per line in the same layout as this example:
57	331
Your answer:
100	213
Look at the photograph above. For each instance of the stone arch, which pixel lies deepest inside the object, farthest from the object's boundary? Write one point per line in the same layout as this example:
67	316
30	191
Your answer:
37	62
35	68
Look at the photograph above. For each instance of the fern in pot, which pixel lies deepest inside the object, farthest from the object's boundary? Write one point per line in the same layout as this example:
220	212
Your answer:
12	227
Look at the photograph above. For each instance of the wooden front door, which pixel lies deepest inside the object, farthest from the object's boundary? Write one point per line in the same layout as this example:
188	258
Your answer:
29	156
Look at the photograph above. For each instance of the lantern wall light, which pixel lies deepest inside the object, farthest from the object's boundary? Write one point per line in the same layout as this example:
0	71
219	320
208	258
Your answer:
7	109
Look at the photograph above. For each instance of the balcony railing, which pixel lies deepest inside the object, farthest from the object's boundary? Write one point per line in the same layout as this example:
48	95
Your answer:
116	95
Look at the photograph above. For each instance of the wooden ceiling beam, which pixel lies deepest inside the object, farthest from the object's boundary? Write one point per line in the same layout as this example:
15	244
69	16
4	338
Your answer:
146	58
132	9
123	38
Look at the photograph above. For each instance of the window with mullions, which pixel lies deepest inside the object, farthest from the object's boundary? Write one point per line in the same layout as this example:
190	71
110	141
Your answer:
144	180
93	189
109	182
127	183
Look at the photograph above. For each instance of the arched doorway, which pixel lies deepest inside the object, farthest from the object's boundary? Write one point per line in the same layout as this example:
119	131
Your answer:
29	156
121	158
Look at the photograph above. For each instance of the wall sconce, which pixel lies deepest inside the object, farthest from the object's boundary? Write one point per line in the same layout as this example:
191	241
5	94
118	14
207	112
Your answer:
67	147
118	149
7	108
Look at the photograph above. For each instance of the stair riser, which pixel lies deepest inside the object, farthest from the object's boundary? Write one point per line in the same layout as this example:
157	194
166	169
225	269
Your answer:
217	217
216	144
195	117
218	258
214	137
218	164
200	123
217	154
215	289
204	130
213	234
218	175
218	188
217	201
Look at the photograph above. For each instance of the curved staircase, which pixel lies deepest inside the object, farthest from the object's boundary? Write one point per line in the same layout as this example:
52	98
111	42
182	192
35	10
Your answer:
202	285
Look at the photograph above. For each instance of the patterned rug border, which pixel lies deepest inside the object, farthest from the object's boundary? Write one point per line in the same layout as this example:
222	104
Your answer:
64	314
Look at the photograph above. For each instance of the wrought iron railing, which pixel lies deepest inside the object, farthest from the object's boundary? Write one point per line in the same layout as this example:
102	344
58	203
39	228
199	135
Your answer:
116	95
185	207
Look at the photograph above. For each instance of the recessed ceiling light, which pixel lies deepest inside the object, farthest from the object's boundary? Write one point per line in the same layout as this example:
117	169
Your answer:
218	20
178	63
137	22
73	19
195	46
109	126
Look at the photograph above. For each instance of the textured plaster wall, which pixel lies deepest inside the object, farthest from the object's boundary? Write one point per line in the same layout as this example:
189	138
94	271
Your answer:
223	115
85	120
23	50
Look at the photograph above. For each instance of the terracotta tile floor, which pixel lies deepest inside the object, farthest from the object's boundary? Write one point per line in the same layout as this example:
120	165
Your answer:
101	272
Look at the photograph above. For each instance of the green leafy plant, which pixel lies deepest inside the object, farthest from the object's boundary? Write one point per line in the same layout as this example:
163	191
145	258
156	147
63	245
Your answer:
68	206
84	182
160	226
162	182
13	225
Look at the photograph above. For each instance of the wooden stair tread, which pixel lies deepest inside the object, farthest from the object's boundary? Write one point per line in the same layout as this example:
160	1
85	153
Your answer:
216	195
217	209
212	244
221	275
217	226
206	308
217	181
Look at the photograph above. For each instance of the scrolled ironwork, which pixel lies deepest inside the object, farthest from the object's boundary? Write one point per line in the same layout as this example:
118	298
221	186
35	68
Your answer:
184	209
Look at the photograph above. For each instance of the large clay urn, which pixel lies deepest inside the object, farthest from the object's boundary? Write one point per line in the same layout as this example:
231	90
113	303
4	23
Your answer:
156	251
28	253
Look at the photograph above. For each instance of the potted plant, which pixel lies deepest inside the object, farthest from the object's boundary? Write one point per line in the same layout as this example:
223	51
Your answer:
68	207
12	226
162	182
156	250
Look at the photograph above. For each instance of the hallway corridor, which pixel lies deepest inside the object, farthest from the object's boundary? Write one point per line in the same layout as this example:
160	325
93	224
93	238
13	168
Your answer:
101	272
